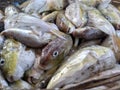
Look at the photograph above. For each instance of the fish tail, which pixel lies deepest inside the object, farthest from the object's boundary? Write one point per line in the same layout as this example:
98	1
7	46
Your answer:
116	43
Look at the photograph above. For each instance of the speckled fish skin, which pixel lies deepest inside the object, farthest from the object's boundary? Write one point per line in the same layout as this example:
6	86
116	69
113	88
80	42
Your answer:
76	14
15	59
81	65
88	33
105	78
64	24
112	14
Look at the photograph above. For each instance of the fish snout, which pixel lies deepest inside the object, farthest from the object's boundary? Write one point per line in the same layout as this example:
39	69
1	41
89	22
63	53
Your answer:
10	78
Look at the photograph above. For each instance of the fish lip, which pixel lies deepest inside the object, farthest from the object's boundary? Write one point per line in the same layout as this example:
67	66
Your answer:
10	78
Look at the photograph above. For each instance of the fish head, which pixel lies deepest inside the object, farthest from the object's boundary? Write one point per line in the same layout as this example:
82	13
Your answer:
54	52
15	60
11	10
9	57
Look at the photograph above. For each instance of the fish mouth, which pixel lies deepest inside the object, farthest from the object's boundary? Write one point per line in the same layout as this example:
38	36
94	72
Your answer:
11	78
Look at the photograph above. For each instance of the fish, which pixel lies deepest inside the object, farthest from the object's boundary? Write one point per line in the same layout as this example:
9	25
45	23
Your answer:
76	14
112	14
20	84
108	43
96	19
11	10
88	33
30	38
23	21
50	17
91	3
90	43
100	80
50	59
39	6
81	65
64	24
15	59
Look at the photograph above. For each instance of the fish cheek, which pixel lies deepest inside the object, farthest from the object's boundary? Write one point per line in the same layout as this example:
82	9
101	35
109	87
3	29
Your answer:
10	64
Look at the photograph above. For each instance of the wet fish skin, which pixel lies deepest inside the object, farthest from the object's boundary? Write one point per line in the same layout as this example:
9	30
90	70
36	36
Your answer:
92	3
112	14
23	21
50	17
97	20
88	33
108	43
64	24
39	6
81	65
76	13
15	59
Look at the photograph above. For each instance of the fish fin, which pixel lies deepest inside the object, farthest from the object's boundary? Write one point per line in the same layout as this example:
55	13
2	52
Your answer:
58	33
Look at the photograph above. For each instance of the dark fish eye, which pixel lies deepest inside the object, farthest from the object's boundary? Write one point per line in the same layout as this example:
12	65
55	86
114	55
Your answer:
55	53
2	62
108	18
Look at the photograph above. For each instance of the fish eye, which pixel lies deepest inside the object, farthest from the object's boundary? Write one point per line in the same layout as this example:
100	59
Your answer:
2	62
55	53
107	17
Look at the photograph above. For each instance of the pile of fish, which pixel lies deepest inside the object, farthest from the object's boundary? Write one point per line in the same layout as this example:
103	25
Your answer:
60	44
